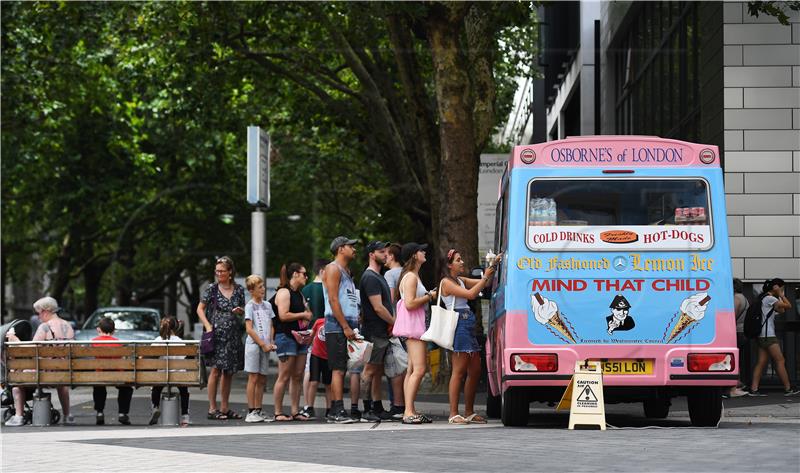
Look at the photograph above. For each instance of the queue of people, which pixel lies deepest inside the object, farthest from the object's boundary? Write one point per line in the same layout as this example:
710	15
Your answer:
308	326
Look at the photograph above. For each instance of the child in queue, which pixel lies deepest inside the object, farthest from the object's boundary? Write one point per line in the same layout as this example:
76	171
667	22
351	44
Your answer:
258	317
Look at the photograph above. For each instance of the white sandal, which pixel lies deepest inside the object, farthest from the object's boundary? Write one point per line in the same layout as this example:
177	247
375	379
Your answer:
457	419
474	418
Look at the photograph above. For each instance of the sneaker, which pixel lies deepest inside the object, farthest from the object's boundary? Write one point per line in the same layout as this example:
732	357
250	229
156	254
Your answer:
386	416
341	417
15	421
755	393
156	413
185	420
99	419
69	420
306	414
791	391
397	412
355	414
253	417
123	419
736	392
370	416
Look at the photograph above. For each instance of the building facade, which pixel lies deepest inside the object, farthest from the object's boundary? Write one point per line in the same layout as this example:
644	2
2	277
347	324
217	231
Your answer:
706	72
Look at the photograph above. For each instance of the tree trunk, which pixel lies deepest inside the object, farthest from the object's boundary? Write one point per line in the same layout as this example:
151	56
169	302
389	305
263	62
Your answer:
458	178
92	275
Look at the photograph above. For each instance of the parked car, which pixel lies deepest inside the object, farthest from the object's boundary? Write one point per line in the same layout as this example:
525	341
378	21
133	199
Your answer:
132	323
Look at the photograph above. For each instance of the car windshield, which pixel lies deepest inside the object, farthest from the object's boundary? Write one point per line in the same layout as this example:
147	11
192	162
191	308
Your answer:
126	320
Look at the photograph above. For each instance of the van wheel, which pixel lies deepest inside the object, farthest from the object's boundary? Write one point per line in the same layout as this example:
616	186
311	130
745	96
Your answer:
705	407
55	416
515	408
493	405
656	408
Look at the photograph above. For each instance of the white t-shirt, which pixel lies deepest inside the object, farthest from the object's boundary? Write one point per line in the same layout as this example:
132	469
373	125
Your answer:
766	305
172	338
261	315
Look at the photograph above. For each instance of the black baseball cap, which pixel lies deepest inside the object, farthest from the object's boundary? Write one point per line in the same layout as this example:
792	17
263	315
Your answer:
375	246
409	249
340	241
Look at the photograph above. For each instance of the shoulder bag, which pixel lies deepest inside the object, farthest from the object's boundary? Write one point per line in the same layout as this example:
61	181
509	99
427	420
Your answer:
443	324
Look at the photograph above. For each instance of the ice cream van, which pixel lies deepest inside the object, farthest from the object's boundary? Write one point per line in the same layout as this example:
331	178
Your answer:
615	249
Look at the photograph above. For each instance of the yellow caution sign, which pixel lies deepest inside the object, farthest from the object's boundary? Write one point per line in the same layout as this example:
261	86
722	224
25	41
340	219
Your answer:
584	396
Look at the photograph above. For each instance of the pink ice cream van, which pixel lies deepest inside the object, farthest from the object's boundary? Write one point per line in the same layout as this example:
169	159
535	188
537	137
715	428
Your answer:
615	249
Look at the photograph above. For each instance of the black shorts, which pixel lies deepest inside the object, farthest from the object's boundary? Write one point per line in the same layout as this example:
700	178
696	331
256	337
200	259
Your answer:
337	351
379	347
319	370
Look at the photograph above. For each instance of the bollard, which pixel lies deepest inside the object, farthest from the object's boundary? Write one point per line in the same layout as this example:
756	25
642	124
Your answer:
170	409
41	409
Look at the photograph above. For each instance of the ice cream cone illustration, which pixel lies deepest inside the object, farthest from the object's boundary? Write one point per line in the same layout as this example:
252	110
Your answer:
546	313
693	309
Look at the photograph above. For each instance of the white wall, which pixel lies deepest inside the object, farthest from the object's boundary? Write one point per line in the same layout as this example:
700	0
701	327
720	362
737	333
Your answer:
762	143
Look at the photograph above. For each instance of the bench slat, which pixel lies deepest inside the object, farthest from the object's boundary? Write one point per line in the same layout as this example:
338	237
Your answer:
44	364
178	350
90	378
45	351
145	364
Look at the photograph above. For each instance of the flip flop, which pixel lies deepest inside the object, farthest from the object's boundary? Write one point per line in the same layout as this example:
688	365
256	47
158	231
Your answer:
458	419
475	419
283	418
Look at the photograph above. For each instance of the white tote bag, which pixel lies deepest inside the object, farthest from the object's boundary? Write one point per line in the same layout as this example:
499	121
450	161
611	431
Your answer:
443	324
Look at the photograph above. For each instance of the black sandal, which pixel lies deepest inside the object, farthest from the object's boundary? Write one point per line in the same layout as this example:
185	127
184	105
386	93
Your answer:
232	415
217	415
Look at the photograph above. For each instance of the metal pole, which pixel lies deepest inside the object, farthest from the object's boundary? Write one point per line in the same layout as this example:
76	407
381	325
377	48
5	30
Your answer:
259	242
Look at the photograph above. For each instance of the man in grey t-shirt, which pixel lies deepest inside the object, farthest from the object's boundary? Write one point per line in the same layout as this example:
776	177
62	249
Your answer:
395	267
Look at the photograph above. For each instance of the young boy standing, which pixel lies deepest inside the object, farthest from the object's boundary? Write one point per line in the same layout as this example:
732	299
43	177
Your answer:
105	332
258	317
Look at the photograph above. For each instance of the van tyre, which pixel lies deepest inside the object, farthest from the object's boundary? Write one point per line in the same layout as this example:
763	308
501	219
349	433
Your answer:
705	407
493	406
656	408
515	408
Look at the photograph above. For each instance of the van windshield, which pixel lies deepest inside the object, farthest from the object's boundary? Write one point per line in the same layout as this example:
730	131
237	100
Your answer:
614	214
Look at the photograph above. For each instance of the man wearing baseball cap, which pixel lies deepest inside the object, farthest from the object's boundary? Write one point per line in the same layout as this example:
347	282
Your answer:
376	304
341	314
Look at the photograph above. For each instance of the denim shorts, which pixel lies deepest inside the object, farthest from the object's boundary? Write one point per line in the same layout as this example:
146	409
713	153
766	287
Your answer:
288	346
465	340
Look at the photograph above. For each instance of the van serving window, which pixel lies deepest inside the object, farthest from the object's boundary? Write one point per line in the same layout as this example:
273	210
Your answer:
618	214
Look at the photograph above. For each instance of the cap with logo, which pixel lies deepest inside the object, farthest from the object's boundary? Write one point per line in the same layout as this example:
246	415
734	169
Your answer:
341	241
620	303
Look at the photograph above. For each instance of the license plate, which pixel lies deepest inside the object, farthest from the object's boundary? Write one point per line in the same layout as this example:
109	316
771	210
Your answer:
627	366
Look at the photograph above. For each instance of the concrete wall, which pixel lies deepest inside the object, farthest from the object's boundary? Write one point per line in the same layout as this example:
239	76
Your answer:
762	143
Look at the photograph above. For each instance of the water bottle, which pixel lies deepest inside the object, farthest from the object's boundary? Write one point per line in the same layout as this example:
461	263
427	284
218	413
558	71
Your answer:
551	212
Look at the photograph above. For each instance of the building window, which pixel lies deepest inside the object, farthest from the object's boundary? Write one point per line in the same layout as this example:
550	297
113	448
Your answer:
656	63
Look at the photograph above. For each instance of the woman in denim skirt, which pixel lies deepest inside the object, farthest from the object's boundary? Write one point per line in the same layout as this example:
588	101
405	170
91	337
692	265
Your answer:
456	291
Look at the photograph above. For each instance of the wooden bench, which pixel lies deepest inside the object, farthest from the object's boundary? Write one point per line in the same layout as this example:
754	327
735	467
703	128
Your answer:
87	363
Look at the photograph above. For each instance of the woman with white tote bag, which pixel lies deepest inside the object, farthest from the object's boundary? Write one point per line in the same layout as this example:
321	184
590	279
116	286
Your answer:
456	291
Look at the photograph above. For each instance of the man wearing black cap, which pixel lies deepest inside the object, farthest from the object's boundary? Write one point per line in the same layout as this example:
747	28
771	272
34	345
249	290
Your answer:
376	304
341	315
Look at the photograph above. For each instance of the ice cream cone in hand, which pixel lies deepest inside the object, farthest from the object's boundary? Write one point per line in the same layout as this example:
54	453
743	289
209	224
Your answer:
546	313
693	309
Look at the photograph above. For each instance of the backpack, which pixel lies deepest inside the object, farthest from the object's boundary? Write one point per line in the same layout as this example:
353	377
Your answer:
754	320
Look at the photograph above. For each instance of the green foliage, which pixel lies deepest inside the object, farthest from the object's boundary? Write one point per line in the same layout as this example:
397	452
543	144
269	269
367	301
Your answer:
123	134
772	8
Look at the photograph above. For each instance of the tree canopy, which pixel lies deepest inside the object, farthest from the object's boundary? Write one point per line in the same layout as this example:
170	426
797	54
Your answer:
123	134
